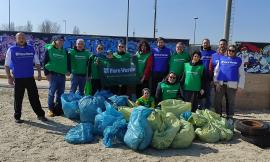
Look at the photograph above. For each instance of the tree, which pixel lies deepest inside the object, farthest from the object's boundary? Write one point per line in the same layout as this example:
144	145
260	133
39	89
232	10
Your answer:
29	26
76	30
48	26
6	27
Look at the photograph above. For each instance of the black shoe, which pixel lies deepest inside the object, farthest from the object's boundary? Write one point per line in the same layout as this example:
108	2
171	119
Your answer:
42	118
18	121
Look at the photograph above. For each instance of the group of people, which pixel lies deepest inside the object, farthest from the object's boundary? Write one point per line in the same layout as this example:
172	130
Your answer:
162	74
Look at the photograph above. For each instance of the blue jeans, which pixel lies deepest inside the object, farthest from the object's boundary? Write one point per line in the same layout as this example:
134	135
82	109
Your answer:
78	81
57	85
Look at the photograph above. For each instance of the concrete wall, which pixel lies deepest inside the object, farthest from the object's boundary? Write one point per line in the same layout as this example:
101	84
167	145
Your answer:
256	94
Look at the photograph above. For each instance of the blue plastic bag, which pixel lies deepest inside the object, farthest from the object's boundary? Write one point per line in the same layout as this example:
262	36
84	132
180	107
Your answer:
186	115
70	105
119	100
80	134
139	133
116	132
88	108
105	94
106	118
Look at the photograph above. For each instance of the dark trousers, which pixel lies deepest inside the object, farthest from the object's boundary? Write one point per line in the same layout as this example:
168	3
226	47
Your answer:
140	87
78	81
96	85
192	96
156	78
30	85
229	94
119	89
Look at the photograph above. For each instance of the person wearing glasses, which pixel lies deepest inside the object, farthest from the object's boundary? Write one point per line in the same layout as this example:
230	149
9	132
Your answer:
144	65
178	59
193	80
56	66
121	55
79	57
207	53
169	88
229	77
160	67
94	63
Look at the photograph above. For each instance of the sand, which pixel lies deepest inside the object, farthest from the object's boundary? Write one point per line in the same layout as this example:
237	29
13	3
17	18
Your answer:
37	141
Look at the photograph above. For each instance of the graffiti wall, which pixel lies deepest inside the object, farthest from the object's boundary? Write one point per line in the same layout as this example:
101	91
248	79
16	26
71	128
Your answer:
38	40
256	56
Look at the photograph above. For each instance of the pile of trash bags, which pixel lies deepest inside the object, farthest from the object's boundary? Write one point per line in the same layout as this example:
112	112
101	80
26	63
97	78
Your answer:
116	119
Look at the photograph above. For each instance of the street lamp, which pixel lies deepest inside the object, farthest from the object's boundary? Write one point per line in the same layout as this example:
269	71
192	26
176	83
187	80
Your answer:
65	21
195	25
8	15
155	19
127	27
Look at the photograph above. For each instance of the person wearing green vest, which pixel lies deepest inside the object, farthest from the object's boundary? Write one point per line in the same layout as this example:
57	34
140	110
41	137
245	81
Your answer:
78	57
178	59
146	100
120	54
193	80
169	88
56	66
144	65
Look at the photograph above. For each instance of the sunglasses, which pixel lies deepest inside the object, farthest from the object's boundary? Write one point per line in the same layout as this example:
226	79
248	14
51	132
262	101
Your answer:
172	77
100	48
121	46
231	50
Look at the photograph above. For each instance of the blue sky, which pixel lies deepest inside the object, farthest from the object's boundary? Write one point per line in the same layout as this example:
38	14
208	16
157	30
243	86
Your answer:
174	17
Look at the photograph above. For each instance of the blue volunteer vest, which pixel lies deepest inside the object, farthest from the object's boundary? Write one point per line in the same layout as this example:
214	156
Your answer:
161	59
229	68
206	56
22	61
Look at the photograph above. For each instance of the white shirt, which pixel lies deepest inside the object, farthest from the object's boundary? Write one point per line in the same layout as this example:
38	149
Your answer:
8	58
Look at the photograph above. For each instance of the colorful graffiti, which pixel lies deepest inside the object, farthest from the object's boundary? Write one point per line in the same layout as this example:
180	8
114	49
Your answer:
38	40
256	56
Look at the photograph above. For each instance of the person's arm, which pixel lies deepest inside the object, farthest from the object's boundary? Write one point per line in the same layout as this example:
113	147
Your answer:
68	62
7	67
148	68
158	95
46	60
89	64
242	76
211	73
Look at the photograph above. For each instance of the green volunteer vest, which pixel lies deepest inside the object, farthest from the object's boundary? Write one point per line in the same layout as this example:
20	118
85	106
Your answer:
193	75
141	62
94	67
121	57
57	60
169	91
78	61
177	63
146	103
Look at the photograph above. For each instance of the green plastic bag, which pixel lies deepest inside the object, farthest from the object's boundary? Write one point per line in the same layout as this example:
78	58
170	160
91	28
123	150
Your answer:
164	136
185	136
154	119
198	120
88	88
126	111
177	107
208	133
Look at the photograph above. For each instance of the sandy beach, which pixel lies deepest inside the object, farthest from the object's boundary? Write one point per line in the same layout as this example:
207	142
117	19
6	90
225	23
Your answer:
37	141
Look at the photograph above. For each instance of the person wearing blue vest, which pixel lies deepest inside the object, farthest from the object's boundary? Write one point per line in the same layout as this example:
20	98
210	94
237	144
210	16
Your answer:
56	66
20	59
207	53
160	65
229	77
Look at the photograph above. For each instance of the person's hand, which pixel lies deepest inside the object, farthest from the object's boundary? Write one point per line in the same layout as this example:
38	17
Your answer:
39	78
218	87
142	79
201	91
10	80
68	74
48	77
239	90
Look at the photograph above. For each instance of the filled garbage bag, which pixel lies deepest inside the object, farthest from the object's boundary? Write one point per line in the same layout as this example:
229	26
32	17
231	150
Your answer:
126	111
106	118
198	120
139	133
155	119
80	134
104	93
165	134
119	100
177	107
70	105
208	133
184	136
115	133
88	108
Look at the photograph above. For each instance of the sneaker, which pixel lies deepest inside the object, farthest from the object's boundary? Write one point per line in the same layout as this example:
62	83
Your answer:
51	114
18	121
42	118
